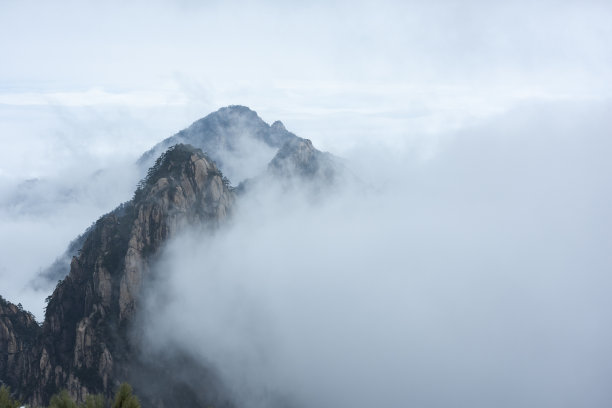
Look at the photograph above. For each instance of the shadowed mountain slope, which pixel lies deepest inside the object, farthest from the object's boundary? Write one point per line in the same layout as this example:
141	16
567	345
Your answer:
89	341
86	343
245	148
235	137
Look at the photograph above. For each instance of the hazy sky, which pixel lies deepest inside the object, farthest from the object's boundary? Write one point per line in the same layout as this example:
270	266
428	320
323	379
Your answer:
333	71
485	127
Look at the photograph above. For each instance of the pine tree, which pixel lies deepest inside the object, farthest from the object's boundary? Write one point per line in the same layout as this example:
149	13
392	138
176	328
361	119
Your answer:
124	398
62	400
6	401
94	401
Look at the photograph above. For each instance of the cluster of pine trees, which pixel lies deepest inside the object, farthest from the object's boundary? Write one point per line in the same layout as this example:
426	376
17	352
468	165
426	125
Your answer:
123	399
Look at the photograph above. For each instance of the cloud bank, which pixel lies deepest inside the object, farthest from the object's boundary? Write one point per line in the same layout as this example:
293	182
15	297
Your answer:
473	272
476	278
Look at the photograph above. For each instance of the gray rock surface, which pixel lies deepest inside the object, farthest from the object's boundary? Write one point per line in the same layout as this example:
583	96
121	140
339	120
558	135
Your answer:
85	344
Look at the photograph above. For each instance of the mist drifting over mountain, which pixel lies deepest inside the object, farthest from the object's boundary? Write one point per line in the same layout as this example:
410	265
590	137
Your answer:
415	202
476	279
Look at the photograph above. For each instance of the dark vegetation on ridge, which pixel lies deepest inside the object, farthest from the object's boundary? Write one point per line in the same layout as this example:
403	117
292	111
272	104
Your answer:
123	399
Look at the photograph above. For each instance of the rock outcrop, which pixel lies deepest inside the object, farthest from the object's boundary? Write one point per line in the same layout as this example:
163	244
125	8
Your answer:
85	344
233	137
233	134
298	158
19	334
88	342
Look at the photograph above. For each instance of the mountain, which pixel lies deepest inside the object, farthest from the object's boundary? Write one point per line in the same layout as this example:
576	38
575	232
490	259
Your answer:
246	149
298	158
85	343
235	137
19	333
89	340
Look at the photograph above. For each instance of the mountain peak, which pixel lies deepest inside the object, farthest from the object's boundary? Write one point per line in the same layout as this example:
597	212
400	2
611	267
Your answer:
230	113
298	157
229	135
183	172
84	344
278	125
173	160
236	109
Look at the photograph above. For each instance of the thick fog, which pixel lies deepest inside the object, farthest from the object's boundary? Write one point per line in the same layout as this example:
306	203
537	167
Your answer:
476	278
469	268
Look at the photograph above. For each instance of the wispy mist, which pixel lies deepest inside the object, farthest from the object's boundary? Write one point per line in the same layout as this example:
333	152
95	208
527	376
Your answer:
477	278
471	269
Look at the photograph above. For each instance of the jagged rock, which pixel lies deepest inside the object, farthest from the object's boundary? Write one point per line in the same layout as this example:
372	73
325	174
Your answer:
229	135
85	344
19	334
299	158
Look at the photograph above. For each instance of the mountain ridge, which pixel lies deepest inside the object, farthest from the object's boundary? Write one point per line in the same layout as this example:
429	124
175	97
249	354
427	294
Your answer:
285	161
227	135
87	342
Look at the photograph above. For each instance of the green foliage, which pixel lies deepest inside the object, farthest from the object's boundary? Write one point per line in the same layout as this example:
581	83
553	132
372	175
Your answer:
124	398
166	165
94	401
152	173
6	401
226	182
62	400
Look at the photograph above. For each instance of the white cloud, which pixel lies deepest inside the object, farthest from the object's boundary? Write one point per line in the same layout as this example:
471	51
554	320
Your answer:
477	278
92	97
485	125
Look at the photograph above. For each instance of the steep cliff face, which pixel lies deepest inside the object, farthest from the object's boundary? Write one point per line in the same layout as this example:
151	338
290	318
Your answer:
19	334
85	344
244	147
88	342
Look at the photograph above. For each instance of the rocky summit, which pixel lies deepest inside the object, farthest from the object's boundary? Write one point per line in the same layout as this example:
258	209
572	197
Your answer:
88	343
235	137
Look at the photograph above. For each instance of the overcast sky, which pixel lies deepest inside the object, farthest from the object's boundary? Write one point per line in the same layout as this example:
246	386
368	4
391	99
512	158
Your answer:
334	71
488	121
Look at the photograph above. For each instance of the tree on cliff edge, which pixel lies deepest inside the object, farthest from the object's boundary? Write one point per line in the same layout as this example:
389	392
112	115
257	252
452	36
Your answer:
62	400
124	398
6	401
